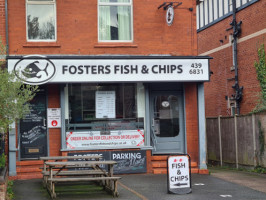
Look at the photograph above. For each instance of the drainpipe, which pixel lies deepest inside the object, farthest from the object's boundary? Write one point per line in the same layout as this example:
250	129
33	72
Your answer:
12	130
7	39
236	32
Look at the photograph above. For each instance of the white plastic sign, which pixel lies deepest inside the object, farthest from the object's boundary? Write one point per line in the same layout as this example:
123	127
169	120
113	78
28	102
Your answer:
54	117
179	174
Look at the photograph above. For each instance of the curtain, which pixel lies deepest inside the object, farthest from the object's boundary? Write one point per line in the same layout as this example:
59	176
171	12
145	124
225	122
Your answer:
124	21
104	22
121	18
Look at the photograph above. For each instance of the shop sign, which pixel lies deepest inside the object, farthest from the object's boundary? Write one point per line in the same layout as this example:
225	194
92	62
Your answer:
170	13
96	139
54	117
39	70
179	175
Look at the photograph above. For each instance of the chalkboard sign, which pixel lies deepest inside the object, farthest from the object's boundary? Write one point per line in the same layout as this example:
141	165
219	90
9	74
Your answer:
33	130
128	162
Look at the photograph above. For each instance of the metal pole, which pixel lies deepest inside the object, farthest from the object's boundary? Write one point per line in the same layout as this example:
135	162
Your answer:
235	53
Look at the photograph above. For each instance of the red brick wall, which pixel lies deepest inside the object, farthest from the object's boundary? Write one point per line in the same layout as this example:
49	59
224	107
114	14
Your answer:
253	20
2	21
77	30
54	133
77	35
192	121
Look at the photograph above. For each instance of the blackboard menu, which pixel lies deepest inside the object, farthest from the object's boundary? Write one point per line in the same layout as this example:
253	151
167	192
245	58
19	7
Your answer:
33	129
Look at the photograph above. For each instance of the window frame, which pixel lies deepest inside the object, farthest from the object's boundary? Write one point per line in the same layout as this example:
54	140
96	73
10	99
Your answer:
41	2
130	3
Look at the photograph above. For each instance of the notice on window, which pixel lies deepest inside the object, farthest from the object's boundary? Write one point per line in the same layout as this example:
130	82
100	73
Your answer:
54	117
105	104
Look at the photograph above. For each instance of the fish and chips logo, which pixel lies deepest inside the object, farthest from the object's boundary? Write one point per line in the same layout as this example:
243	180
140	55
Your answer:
34	70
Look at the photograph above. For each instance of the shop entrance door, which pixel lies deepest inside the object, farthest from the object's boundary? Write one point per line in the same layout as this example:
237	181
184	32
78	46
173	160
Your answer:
33	130
167	122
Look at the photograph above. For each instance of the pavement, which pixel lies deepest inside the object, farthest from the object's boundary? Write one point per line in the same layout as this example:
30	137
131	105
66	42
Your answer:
220	184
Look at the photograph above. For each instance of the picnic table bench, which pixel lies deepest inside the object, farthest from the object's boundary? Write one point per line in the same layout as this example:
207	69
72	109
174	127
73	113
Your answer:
93	172
61	158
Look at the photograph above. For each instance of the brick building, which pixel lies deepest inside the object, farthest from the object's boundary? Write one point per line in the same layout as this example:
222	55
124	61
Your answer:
114	80
216	39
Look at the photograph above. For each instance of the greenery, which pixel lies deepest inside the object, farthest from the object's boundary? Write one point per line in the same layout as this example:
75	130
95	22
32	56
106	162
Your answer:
2	161
14	96
2	52
261	75
260	170
10	193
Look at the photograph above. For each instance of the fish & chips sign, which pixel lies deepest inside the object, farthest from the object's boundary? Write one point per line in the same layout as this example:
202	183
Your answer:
38	70
179	174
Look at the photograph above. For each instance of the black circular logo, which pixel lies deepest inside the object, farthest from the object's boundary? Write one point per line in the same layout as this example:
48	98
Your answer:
34	70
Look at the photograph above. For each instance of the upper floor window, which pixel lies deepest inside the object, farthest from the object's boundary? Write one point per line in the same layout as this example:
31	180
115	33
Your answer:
41	20
115	20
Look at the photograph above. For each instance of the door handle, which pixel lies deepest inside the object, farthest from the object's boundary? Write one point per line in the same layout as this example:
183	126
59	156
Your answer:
44	122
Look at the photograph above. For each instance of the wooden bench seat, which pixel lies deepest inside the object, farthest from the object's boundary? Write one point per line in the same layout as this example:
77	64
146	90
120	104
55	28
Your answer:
106	180
103	178
71	173
75	172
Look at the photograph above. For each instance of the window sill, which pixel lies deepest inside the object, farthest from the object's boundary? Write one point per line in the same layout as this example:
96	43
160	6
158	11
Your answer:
41	44
115	45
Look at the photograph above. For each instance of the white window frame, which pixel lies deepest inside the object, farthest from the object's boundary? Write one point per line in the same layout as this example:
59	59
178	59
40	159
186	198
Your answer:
41	2
130	3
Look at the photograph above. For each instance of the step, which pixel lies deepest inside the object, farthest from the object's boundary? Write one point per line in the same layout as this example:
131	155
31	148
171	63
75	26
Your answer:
29	162
28	169
160	171
155	158
27	176
158	164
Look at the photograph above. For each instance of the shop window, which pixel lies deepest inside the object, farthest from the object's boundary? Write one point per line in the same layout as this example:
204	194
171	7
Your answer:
104	107
41	20
115	20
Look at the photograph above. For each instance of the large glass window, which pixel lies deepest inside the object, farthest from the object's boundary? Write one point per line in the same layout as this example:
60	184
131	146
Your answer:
41	20
92	105
104	115
115	20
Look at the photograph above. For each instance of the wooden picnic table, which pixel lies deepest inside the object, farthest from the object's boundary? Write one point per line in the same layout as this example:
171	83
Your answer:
58	174
59	158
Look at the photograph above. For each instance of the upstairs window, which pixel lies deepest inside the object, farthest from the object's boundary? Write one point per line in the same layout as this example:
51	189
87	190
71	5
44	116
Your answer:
115	20
41	20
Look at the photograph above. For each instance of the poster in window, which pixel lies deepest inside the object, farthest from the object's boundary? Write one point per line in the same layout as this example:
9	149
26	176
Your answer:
105	104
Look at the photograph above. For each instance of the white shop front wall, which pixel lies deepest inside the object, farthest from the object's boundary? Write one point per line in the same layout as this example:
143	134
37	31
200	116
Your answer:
103	100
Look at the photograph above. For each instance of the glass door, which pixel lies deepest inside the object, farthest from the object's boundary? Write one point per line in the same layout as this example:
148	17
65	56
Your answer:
167	122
